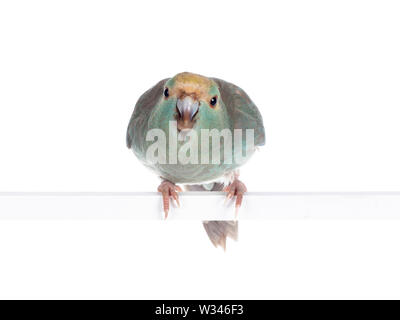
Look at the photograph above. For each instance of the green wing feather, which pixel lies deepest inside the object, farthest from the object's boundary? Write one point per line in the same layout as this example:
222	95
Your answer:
138	123
242	110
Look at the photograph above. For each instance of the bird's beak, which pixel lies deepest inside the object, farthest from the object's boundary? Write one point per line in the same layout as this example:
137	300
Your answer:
187	109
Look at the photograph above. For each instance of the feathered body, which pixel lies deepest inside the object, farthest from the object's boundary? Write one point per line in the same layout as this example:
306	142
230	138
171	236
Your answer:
233	109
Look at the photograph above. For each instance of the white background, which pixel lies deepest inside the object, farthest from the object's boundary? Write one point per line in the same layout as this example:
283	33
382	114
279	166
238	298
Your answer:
325	76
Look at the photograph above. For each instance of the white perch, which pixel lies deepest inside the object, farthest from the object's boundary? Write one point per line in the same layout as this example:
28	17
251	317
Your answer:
200	206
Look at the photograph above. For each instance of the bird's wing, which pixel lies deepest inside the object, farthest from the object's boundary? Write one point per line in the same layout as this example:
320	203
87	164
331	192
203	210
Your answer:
243	111
140	115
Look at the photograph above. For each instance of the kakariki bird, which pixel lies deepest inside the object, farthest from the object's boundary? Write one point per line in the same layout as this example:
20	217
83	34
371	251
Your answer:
184	106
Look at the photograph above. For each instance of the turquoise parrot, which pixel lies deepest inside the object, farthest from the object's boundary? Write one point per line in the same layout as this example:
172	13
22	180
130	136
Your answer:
165	127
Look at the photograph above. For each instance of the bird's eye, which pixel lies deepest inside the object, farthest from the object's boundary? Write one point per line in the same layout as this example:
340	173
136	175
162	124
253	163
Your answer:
166	92
213	101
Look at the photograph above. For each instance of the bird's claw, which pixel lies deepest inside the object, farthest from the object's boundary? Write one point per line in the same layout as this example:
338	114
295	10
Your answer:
169	190
238	189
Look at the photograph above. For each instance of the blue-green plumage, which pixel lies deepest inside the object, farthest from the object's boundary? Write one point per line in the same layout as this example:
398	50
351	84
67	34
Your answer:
234	110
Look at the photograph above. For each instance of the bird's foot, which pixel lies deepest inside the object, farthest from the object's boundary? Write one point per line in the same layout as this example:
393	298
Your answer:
238	189
169	190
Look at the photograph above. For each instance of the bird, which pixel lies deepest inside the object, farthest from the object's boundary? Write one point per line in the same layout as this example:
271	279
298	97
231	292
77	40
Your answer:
185	106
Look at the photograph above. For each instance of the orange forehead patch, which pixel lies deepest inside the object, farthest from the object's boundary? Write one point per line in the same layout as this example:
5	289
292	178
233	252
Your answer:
191	84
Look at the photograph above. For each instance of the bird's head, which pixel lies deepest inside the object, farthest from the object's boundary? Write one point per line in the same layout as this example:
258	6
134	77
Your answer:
194	101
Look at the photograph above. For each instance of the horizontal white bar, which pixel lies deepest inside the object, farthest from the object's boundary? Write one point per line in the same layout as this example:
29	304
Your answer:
200	205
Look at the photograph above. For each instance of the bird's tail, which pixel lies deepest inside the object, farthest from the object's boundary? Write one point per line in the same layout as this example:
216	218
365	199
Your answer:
217	231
